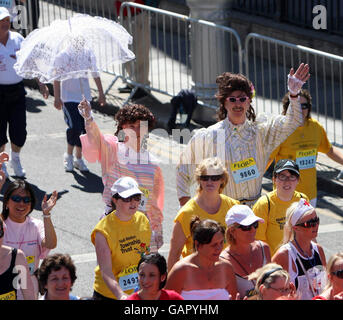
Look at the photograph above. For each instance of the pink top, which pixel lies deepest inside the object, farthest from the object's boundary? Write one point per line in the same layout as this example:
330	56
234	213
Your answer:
27	236
118	160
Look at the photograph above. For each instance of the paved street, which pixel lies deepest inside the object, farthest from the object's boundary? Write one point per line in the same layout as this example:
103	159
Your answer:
80	204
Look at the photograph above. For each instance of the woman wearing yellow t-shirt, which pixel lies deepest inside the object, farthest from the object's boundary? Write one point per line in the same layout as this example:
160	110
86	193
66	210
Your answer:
272	207
303	145
120	239
208	203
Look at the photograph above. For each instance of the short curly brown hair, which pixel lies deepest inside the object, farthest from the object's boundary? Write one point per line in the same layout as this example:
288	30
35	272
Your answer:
229	82
132	113
51	263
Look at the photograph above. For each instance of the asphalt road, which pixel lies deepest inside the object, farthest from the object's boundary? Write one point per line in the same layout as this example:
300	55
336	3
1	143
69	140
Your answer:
80	205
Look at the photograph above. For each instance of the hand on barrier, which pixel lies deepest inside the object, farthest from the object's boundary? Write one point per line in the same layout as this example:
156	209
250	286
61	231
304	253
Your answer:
85	109
297	79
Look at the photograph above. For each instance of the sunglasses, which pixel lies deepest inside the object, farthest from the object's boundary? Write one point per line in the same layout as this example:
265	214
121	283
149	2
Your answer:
212	178
283	177
305	106
310	223
283	291
135	197
248	228
18	199
234	99
338	273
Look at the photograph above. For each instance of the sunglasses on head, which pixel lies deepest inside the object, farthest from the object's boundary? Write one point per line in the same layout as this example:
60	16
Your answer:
305	106
310	223
18	199
136	197
240	99
213	178
248	228
338	273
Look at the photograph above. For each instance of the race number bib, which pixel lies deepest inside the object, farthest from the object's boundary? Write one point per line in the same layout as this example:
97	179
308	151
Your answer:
128	278
306	159
6	3
8	296
244	170
31	263
144	200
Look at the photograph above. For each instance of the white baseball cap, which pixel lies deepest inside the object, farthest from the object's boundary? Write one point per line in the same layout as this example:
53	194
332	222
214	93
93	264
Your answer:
125	187
4	13
242	215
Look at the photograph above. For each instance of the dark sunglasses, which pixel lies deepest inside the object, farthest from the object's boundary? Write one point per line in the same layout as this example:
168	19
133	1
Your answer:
338	273
305	106
248	228
234	99
18	199
310	223
213	178
136	197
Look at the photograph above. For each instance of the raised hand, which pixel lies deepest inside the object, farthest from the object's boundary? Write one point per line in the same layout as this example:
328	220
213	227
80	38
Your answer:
297	79
47	205
85	109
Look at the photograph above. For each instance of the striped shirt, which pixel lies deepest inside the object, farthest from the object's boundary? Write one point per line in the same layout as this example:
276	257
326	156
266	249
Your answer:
244	149
118	160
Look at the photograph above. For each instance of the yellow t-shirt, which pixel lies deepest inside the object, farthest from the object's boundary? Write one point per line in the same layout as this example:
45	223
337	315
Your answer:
274	215
303	146
191	208
127	240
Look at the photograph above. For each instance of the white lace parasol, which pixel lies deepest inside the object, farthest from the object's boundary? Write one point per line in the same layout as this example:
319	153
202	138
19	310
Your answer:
75	48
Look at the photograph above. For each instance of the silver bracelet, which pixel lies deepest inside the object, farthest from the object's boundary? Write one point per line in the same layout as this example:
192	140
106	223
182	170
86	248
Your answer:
46	215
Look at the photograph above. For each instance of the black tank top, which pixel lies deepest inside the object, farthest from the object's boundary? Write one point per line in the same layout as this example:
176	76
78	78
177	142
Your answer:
7	290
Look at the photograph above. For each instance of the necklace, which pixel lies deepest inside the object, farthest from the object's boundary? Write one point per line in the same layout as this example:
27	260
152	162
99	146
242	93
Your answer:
250	259
311	261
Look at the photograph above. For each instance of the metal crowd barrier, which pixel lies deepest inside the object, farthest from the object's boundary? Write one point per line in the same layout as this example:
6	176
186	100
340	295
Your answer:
175	52
267	64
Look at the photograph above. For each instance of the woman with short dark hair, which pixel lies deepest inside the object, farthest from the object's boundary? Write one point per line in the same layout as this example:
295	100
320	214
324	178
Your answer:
56	276
35	237
152	277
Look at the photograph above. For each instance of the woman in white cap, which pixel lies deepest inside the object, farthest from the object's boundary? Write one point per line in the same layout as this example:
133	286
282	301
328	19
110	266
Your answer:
209	203
12	94
303	258
272	206
203	275
243	251
120	239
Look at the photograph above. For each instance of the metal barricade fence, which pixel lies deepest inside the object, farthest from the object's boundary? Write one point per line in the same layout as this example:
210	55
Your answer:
175	52
267	64
178	52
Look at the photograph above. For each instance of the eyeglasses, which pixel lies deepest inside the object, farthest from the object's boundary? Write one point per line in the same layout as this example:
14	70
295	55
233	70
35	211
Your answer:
310	223
305	106
338	273
283	177
136	197
18	199
281	290
248	228
213	178
234	99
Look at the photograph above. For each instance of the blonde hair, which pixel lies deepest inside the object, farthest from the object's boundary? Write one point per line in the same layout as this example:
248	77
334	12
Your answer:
261	276
211	163
329	266
230	239
288	231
